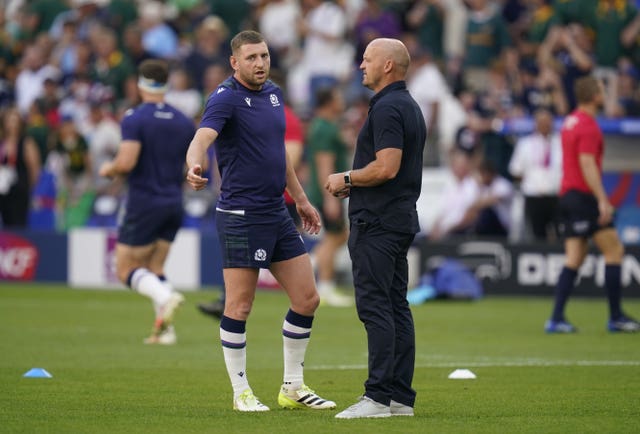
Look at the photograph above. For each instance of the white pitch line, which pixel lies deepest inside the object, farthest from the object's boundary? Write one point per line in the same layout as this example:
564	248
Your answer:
490	364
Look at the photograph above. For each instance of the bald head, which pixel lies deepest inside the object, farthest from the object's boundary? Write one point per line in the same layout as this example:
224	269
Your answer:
384	61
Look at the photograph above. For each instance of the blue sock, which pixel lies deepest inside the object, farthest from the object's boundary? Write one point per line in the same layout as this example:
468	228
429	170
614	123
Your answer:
566	282
613	287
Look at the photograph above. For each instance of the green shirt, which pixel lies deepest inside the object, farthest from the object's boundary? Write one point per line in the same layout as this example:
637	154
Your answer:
323	136
485	40
574	11
544	18
430	33
609	22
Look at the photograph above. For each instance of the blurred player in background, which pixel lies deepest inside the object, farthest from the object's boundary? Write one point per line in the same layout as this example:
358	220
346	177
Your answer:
245	117
155	137
585	210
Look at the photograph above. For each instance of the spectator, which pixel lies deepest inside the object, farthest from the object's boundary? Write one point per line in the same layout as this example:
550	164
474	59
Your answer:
157	37
569	51
429	88
182	95
374	22
87	14
210	48
234	13
628	93
327	57
490	214
458	197
427	18
327	155
75	176
111	68
30	80
537	164
133	46
278	22
541	89
42	13
19	169
487	41
103	142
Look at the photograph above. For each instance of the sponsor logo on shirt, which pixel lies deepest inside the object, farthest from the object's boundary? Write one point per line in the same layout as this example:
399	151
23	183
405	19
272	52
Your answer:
220	90
248	101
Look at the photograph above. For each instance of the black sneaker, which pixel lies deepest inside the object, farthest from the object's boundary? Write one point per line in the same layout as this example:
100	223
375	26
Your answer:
214	309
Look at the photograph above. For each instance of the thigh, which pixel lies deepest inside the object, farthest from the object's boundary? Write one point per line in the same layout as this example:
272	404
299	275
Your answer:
159	256
131	257
295	275
609	245
575	249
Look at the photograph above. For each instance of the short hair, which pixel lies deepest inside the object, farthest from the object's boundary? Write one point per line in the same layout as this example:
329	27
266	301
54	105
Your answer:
245	37
325	95
586	88
154	69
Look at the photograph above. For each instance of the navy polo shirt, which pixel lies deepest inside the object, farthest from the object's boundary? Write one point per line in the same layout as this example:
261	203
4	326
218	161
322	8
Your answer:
164	134
250	145
394	121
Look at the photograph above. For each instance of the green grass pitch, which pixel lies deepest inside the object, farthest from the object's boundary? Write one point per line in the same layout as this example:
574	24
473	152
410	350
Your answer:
106	381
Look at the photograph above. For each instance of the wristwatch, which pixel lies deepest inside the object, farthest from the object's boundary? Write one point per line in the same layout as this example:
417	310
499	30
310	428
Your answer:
347	178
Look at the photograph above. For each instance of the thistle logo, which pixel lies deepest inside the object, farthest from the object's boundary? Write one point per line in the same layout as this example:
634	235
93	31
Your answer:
274	100
260	255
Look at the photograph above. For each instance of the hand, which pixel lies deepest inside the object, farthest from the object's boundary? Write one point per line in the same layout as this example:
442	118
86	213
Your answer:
310	217
106	169
606	212
195	179
336	186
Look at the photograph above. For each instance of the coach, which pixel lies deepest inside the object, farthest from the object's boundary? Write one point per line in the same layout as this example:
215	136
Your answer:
383	188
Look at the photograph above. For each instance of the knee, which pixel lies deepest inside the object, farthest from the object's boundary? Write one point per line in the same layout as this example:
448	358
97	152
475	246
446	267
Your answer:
238	309
307	305
123	272
614	254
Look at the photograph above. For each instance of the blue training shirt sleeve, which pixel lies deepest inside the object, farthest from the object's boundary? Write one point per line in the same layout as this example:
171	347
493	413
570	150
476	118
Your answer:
218	110
130	129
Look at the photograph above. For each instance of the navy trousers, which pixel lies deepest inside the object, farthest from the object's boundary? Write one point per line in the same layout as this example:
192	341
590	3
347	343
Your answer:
380	274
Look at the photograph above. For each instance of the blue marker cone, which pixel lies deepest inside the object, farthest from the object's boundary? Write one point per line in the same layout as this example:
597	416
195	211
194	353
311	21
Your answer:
37	373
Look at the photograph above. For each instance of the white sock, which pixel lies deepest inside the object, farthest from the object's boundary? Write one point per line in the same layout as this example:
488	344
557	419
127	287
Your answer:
146	283
235	357
158	307
295	339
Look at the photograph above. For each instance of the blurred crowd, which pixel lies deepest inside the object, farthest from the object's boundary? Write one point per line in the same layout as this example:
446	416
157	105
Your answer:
68	74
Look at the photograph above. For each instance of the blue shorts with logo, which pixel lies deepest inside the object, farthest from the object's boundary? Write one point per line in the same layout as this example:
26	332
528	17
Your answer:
579	215
256	239
144	225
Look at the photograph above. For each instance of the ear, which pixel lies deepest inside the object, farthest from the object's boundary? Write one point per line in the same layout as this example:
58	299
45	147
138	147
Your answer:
234	62
388	66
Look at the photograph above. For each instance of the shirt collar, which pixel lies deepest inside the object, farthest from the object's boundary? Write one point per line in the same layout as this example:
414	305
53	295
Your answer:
396	85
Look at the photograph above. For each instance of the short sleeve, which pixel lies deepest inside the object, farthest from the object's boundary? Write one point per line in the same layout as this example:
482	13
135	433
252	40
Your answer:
130	128
387	126
218	109
590	138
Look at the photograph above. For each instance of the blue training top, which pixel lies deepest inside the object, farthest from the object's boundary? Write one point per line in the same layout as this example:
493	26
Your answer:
250	145
164	134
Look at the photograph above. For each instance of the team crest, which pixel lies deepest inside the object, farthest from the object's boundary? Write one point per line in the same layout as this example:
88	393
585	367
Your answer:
274	100
260	255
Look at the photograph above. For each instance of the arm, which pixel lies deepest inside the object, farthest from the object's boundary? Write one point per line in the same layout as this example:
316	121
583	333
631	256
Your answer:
125	160
384	168
325	165
308	214
32	161
197	156
591	175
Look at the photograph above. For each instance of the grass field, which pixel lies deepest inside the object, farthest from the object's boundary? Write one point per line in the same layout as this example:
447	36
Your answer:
106	381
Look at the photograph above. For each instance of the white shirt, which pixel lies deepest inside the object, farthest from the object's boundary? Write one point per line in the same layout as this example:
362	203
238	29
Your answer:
458	197
278	23
427	86
502	189
528	163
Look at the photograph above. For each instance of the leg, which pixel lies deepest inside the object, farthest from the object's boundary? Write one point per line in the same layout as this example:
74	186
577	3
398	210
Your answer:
325	260
405	352
575	251
374	254
613	251
295	275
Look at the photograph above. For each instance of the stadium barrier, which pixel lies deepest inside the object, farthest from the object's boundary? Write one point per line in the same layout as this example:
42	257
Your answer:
84	258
